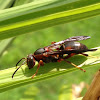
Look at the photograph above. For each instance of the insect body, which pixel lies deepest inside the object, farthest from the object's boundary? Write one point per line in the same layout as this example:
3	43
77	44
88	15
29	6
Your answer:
55	53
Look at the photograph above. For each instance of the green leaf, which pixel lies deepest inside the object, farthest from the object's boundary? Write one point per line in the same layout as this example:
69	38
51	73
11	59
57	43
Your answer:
5	4
20	2
38	15
23	75
65	93
4	44
42	14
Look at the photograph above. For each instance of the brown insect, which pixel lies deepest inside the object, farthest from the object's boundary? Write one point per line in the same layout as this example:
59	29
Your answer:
55	53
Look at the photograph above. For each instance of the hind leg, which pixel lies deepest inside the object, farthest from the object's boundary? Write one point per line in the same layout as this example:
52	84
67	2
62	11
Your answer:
89	55
68	56
72	54
75	65
84	54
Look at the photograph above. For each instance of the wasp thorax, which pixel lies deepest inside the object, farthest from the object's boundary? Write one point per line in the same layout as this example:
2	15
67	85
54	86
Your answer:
39	51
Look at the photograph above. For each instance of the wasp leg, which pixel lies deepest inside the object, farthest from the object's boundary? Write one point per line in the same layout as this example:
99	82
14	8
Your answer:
89	55
64	59
53	42
68	56
39	64
72	54
75	65
84	54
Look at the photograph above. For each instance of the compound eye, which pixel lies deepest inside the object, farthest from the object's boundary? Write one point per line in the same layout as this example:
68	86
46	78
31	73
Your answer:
39	51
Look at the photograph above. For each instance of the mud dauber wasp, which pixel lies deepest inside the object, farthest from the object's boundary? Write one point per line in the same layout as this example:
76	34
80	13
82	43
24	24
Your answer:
55	53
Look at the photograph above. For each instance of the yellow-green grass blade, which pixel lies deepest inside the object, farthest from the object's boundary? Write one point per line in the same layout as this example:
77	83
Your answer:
23	75
20	2
5	4
4	43
35	16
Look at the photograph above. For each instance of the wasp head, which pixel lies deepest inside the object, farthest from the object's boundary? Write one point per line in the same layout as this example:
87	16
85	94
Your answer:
30	61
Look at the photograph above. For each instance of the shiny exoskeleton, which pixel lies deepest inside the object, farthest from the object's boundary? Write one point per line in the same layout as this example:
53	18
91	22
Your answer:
79	47
55	53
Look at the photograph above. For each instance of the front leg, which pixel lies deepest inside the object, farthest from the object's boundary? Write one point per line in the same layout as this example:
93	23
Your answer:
39	64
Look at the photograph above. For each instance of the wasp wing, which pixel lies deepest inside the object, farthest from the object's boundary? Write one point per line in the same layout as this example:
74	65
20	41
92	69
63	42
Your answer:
62	52
69	51
57	45
77	38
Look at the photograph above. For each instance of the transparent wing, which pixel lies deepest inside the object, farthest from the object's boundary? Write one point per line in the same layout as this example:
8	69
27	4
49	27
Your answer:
58	44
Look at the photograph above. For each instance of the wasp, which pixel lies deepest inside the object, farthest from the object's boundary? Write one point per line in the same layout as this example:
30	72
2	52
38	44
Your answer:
56	52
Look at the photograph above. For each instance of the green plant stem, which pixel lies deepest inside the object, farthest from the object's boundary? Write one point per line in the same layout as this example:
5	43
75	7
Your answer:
23	75
21	20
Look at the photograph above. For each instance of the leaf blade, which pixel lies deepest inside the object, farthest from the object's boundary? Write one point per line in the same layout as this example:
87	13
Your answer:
45	20
23	76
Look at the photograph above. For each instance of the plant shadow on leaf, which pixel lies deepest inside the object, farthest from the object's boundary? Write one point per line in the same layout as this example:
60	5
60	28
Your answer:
56	66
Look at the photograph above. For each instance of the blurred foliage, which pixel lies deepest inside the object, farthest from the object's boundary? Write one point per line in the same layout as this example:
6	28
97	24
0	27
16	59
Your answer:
65	93
28	43
51	88
29	17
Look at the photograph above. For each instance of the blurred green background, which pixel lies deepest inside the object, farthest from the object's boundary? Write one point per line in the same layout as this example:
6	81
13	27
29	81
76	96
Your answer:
57	87
50	89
